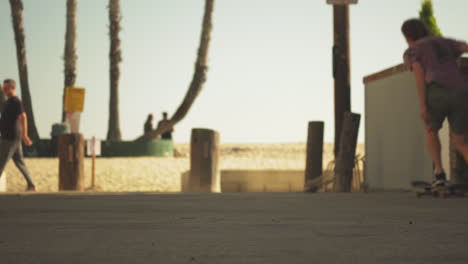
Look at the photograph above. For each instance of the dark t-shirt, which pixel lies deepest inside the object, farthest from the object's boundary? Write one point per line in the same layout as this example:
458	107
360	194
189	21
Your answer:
438	58
168	134
10	129
148	127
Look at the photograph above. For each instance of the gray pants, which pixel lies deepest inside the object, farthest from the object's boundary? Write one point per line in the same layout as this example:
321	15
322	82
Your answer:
13	149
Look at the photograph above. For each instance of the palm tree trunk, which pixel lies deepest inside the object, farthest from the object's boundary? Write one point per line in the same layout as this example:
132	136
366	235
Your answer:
70	50
18	28
2	99
115	56
199	77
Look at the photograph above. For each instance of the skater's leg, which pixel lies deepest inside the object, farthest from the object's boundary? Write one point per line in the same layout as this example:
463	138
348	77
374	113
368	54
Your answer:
438	105
461	145
433	144
458	119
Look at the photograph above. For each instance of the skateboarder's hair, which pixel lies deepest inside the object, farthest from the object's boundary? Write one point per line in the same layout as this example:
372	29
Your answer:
10	82
414	29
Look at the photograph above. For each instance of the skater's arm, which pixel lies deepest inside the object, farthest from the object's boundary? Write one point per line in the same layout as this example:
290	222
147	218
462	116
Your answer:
459	47
465	47
421	86
24	124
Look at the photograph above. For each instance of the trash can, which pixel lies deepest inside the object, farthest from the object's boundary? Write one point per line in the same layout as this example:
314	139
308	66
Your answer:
57	130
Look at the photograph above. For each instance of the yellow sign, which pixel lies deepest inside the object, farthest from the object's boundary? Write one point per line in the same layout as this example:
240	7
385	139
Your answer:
341	2
74	99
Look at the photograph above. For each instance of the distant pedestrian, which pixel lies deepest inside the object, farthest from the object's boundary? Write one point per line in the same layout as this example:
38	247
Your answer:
13	129
149	124
442	89
163	122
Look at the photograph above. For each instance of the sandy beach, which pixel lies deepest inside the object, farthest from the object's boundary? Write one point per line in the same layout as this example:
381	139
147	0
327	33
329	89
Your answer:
164	174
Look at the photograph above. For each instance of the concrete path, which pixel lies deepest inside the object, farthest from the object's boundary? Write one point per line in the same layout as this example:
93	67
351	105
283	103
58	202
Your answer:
232	228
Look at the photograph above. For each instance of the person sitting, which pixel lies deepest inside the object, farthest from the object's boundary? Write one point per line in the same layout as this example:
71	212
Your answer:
148	124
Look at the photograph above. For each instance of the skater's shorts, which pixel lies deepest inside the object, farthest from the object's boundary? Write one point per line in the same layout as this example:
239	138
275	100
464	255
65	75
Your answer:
445	103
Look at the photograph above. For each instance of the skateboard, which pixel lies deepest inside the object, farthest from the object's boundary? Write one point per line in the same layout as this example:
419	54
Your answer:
423	188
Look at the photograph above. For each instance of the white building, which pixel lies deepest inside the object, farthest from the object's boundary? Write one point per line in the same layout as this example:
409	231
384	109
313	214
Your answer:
396	152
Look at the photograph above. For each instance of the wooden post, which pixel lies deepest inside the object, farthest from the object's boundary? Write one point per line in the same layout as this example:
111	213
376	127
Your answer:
93	163
314	153
341	68
2	98
204	161
71	162
347	152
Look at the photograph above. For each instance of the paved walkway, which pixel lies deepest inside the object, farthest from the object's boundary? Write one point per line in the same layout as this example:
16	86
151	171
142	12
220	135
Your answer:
232	228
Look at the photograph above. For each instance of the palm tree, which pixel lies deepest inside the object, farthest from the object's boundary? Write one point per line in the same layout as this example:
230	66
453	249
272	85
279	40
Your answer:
70	50
2	98
115	56
426	14
199	76
18	28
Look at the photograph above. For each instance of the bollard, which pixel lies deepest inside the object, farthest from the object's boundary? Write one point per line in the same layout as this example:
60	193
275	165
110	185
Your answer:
347	152
314	153
204	161
71	162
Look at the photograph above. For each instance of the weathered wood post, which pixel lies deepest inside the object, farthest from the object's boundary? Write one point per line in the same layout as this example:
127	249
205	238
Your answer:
204	161
341	68
71	162
314	154
347	152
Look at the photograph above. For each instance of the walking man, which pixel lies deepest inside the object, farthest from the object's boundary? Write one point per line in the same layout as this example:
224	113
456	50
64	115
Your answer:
13	129
442	89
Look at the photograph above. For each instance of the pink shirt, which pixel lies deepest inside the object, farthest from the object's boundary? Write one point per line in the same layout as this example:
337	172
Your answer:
438	57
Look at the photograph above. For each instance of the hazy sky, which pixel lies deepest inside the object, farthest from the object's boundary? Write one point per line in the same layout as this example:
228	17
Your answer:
270	61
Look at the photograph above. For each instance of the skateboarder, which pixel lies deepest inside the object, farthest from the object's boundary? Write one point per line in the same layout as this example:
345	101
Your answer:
13	129
442	89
